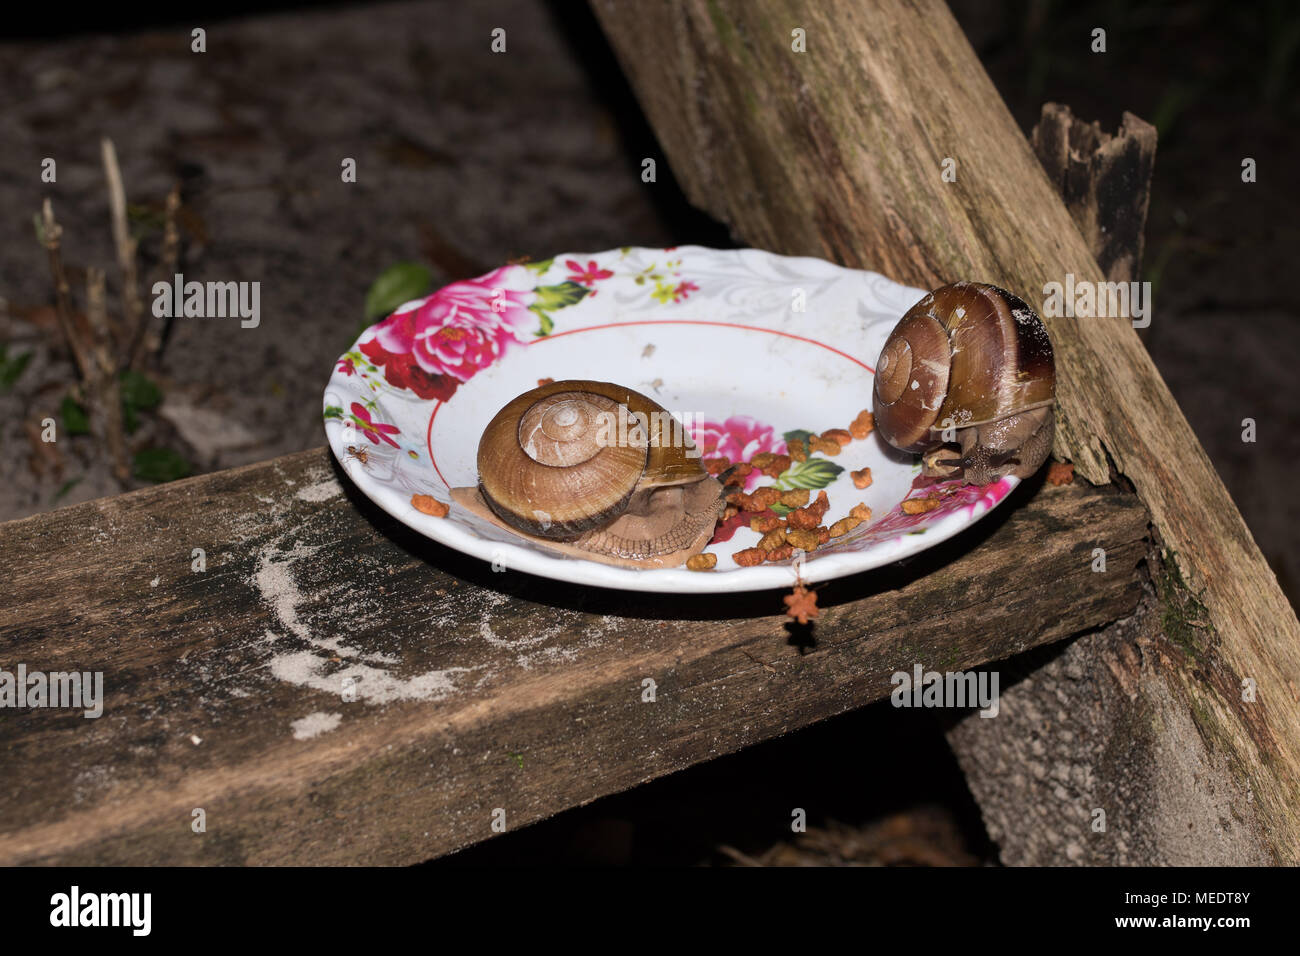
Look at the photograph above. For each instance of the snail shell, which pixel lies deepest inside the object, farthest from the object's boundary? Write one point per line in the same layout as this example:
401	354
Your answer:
972	364
600	467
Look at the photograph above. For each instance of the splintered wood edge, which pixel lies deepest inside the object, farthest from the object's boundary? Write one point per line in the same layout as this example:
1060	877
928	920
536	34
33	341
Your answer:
477	691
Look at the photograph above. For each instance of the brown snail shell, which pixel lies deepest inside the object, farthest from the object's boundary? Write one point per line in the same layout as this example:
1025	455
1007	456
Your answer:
601	468
971	364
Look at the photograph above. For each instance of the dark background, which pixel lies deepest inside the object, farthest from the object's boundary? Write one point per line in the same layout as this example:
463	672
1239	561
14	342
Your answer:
467	159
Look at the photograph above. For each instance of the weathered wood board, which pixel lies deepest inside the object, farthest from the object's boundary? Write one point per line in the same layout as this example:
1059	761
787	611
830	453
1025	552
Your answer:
475	690
826	130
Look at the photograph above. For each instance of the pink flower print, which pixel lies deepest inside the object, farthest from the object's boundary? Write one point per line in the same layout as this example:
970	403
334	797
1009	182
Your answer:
455	332
683	290
588	276
373	430
739	438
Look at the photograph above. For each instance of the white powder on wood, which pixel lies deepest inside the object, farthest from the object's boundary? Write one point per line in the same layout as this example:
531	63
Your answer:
313	725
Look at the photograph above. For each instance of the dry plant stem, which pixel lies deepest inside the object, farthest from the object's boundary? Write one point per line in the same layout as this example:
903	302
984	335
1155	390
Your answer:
132	307
151	341
106	393
90	346
51	233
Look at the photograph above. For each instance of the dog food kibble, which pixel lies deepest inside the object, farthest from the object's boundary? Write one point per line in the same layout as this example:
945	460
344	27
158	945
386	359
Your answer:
701	562
861	478
844	526
794	498
805	539
919	506
429	505
863	425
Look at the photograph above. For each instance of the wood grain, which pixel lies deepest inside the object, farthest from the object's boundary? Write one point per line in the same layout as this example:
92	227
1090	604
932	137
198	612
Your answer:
477	690
839	152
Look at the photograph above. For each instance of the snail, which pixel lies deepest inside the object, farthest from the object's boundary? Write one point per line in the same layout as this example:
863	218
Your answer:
969	364
598	471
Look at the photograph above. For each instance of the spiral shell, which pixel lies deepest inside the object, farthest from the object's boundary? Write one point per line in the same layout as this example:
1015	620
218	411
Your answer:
597	465
965	358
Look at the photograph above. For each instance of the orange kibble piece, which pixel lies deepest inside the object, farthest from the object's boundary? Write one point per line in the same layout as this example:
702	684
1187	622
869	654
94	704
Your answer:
842	436
861	511
1060	473
765	523
798	450
805	539
844	525
805	519
861	478
749	557
701	562
824	445
716	466
919	506
783	553
795	497
863	425
773	539
429	505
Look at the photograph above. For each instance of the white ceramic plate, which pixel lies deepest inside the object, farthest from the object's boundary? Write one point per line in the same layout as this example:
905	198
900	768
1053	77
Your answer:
743	346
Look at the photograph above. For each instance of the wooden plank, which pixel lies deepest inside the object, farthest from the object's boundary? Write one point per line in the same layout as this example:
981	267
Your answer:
477	690
1137	746
839	152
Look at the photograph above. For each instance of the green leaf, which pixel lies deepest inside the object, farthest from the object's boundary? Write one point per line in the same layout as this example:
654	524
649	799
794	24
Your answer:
398	283
11	367
540	267
558	296
797	435
160	464
813	473
75	419
546	325
139	393
333	411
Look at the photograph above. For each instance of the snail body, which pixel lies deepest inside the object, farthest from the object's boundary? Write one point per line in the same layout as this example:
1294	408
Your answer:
971	365
598	469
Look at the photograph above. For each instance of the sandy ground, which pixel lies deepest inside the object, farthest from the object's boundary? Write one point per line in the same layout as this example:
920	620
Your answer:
465	159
